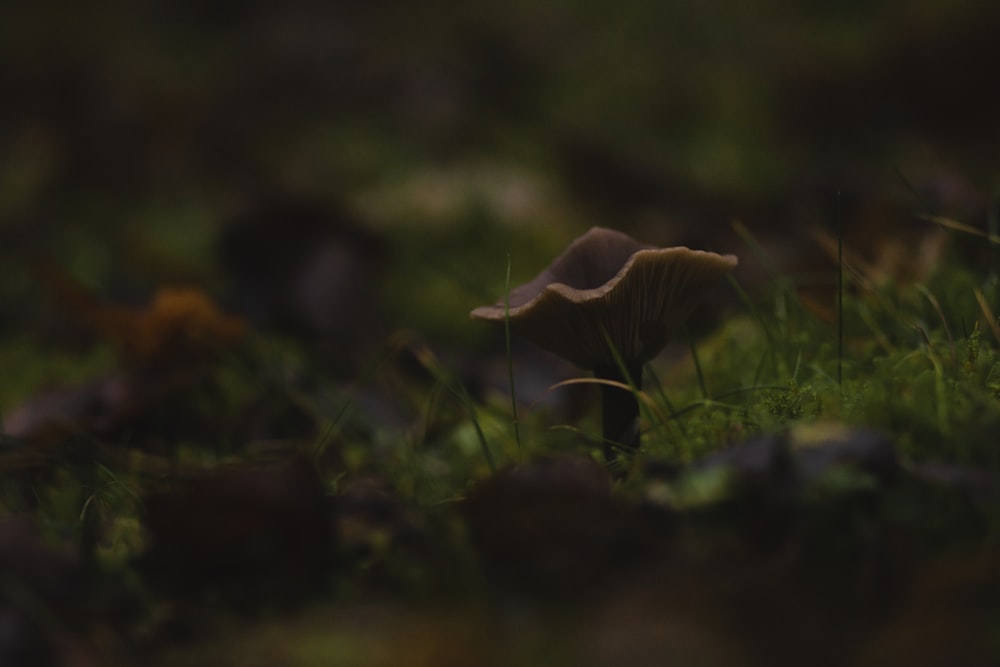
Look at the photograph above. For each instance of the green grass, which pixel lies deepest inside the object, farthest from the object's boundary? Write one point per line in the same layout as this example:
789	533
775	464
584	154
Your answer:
919	362
923	373
449	138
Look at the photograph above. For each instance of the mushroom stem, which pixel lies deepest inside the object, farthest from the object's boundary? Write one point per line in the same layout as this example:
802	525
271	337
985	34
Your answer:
620	411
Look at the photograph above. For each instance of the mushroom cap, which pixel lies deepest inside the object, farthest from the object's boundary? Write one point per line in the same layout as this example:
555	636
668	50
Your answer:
606	286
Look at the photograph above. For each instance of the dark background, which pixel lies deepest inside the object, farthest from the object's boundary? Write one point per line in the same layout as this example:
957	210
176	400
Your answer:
346	181
458	132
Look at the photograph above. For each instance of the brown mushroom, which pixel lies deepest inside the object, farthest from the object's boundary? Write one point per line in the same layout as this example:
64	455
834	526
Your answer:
608	304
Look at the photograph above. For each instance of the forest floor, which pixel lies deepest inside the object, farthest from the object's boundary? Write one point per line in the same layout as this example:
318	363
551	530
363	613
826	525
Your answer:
245	417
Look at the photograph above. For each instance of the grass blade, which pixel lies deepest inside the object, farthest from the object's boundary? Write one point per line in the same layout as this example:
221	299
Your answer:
510	363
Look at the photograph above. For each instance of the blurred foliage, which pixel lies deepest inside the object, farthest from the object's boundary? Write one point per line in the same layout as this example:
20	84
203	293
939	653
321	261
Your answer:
239	439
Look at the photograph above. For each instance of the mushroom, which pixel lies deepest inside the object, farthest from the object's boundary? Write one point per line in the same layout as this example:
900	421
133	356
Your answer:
608	304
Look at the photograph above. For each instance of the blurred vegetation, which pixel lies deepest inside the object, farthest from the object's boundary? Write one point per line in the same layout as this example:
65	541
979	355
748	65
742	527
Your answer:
246	418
